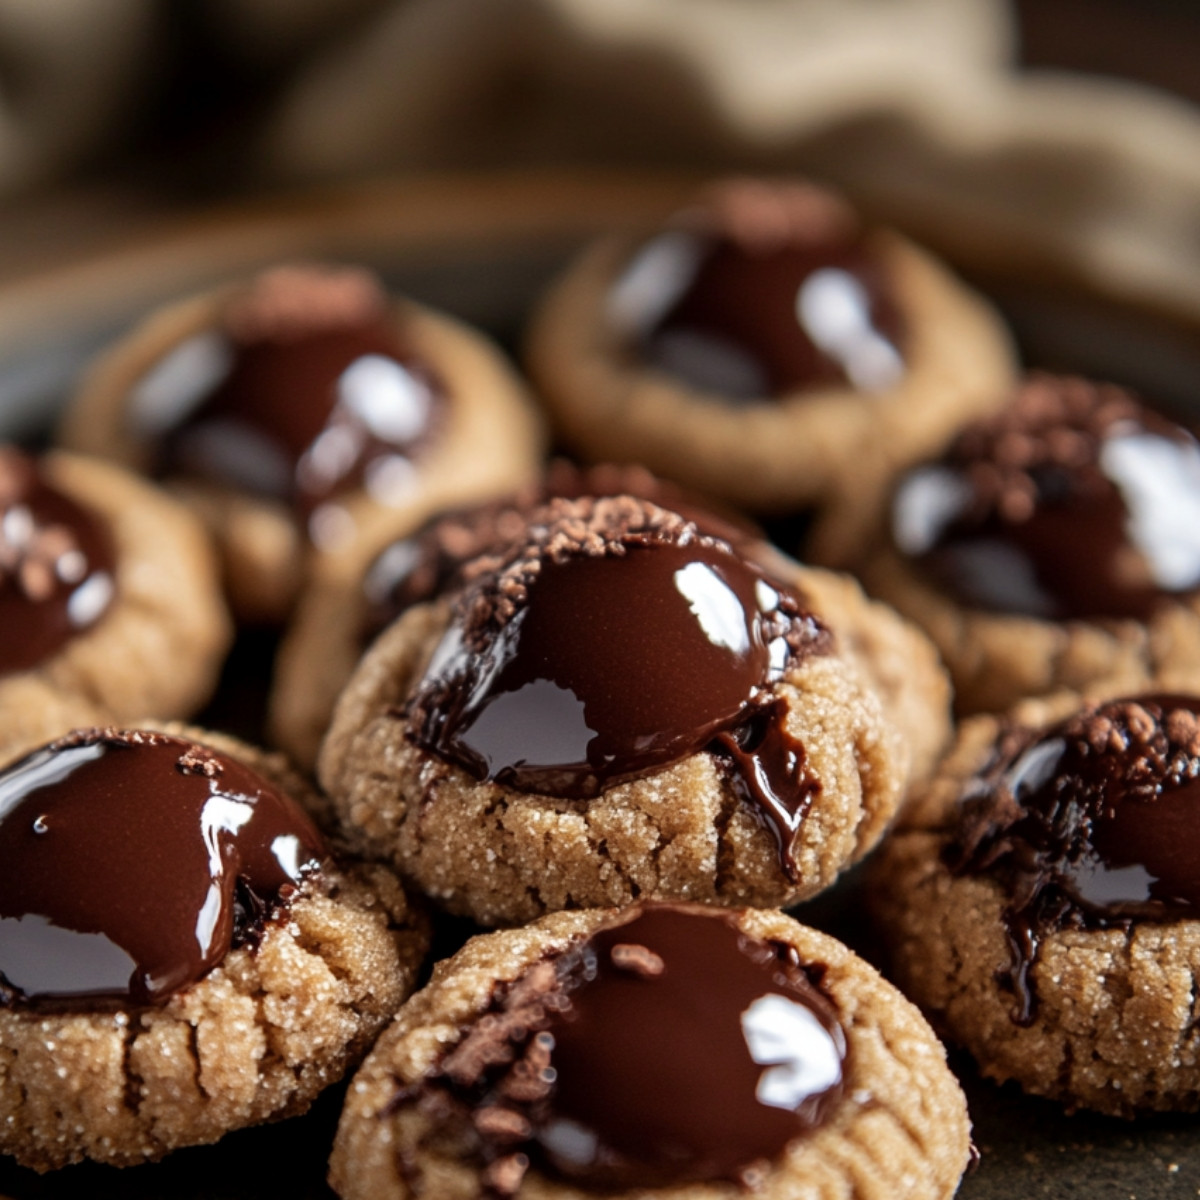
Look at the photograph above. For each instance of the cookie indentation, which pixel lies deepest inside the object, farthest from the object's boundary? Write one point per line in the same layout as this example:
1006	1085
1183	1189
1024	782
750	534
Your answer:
1076	502
57	565
130	863
765	290
708	1057
305	392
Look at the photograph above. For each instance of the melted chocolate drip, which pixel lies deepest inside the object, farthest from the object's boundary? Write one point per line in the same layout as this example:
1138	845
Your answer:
1092	824
1074	503
130	862
771	778
752	321
668	1048
615	664
299	410
56	565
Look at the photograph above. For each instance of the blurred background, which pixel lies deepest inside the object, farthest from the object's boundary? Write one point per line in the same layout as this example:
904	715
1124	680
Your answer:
153	147
114	110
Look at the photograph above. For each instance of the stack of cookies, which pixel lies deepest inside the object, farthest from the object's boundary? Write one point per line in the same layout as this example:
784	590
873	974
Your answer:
603	721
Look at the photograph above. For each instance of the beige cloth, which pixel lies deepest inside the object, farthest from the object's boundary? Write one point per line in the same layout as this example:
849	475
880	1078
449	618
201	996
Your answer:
912	106
70	74
447	82
370	84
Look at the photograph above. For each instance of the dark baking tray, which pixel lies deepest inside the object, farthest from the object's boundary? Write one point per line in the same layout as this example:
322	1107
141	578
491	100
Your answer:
483	248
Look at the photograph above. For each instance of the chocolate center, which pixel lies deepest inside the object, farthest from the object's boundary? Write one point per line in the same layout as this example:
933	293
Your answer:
1074	503
296	406
1092	824
130	862
614	663
668	1048
753	321
429	562
56	565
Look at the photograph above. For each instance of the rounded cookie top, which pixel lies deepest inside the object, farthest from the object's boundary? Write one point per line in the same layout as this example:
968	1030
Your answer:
180	955
109	598
341	614
665	1046
305	414
617	703
1052	547
1090	824
615	639
765	347
1042	900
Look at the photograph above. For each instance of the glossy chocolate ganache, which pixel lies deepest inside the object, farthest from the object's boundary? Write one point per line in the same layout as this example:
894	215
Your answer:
429	562
307	390
1074	502
57	565
763	289
130	863
1092	824
615	639
666	1048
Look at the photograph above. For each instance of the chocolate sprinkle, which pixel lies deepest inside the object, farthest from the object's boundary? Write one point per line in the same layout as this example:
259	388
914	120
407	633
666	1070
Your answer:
429	563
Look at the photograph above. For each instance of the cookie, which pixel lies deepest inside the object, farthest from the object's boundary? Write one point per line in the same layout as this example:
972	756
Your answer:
301	410
341	612
619	705
1054	546
667	1050
110	599
766	349
1041	902
180	955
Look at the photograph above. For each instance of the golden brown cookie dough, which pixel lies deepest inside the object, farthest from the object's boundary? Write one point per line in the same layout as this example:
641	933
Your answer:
480	436
895	1125
811	433
297	1000
1061	948
1071	560
859	700
160	629
341	612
